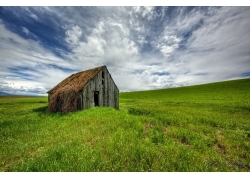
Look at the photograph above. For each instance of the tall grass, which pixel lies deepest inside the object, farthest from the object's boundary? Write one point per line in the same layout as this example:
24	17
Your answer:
196	128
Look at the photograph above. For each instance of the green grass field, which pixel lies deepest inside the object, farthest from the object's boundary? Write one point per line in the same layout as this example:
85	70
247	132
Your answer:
195	128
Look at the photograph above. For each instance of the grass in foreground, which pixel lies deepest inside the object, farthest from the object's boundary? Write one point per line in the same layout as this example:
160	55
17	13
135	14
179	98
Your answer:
197	128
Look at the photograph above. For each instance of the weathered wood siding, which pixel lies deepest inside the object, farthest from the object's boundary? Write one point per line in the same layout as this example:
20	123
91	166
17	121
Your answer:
108	91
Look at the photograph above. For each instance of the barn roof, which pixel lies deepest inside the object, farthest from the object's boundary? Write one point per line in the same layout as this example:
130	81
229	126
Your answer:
77	80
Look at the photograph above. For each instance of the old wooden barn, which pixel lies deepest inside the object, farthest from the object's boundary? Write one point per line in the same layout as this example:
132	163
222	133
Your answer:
85	89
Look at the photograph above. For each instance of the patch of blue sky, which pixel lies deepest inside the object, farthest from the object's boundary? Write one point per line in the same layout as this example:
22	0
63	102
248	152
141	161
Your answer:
246	74
201	74
45	31
23	72
161	73
68	70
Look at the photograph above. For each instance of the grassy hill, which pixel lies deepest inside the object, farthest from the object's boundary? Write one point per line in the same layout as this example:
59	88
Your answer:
195	128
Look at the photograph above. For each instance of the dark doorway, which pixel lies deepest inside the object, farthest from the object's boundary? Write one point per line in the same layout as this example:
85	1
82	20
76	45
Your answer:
79	103
96	98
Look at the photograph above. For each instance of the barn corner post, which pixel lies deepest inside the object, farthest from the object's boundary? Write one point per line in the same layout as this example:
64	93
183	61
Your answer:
118	100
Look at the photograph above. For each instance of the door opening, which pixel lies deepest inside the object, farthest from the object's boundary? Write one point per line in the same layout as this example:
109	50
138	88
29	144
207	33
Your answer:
96	98
79	103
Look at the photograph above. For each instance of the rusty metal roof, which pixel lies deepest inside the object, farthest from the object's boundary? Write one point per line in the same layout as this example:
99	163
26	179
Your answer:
77	80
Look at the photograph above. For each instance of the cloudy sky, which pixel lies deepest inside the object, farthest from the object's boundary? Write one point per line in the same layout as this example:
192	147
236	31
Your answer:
143	47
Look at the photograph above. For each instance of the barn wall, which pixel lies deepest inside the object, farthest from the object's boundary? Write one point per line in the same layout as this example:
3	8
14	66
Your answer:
108	91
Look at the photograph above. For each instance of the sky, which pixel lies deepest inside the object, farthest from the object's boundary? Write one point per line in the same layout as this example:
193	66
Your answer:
143	48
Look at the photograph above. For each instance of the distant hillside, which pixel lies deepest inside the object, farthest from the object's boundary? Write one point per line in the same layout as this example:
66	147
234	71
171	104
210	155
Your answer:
5	94
228	91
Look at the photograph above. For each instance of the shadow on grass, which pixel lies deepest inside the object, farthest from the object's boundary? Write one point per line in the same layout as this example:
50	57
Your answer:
243	109
42	102
41	109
